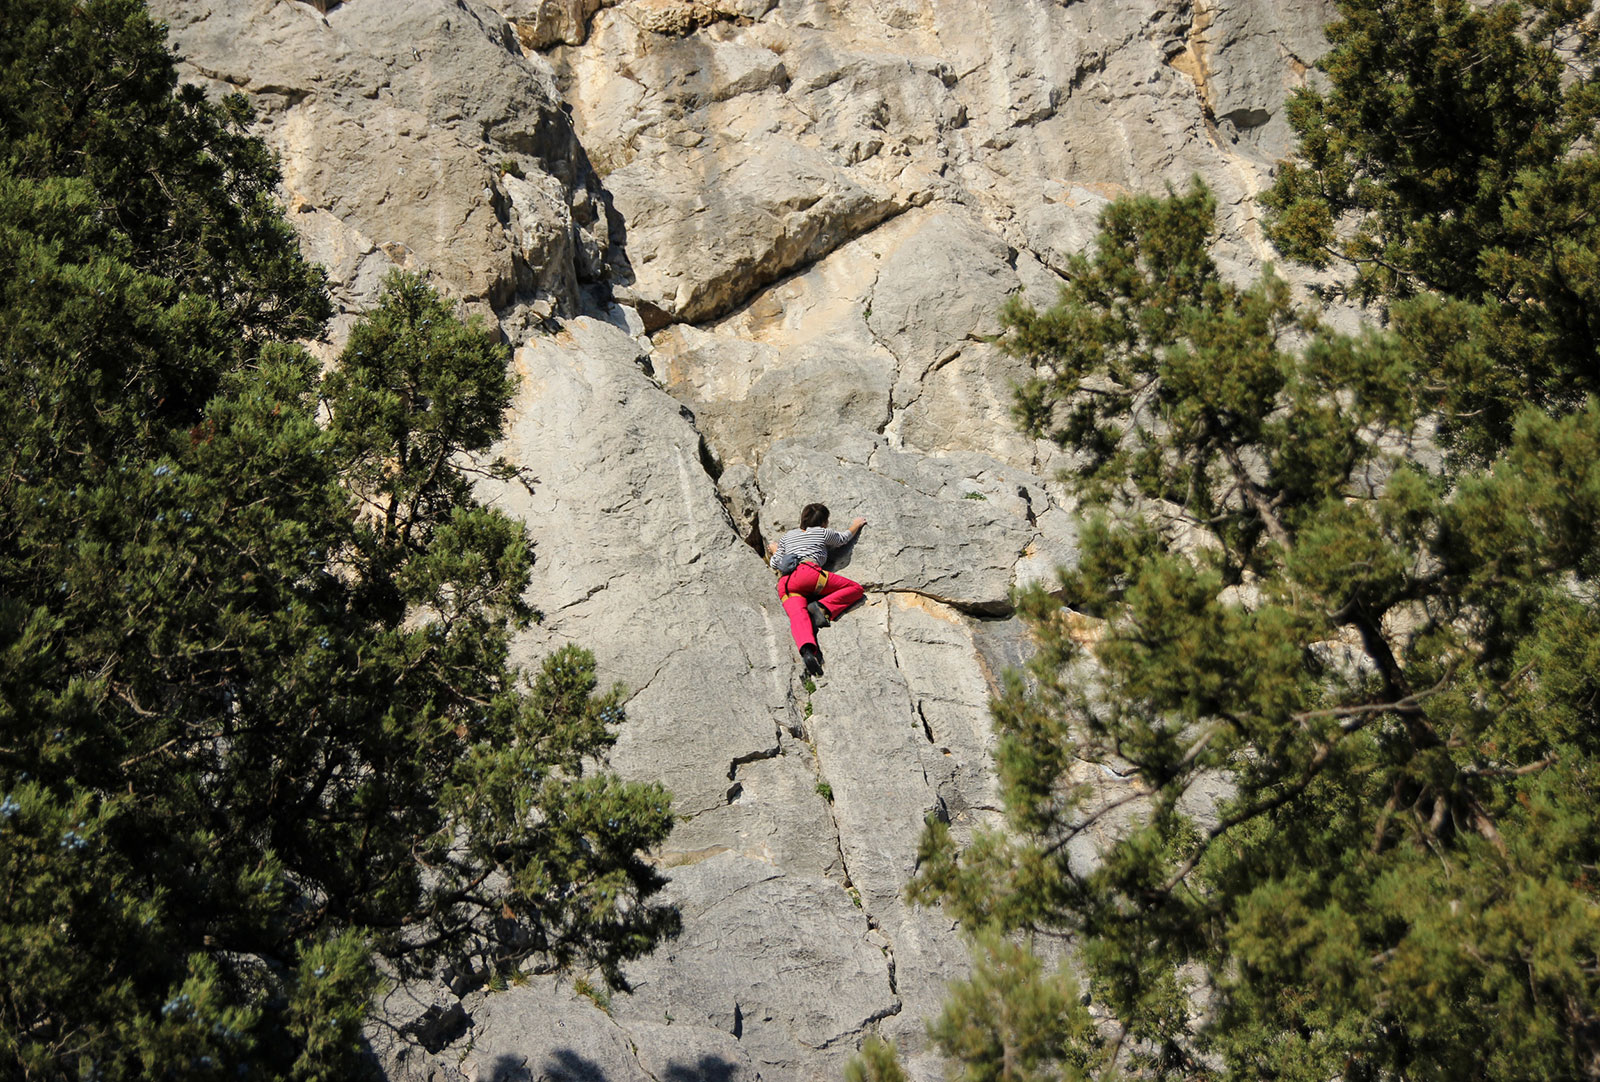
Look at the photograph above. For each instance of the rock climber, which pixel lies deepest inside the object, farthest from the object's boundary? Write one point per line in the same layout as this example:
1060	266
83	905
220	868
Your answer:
812	597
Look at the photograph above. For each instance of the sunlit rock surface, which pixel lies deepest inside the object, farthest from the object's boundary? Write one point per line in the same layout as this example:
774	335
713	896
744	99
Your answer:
751	254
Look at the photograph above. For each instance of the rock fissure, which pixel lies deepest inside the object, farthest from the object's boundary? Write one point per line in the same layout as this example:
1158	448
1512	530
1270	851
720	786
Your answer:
825	791
634	693
757	756
588	595
1027	500
854	1036
866	318
962	605
945	358
241	82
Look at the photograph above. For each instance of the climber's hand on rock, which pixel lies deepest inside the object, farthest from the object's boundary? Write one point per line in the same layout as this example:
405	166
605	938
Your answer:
855	527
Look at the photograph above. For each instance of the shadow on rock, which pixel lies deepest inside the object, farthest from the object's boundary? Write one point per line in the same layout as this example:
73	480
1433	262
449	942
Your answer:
565	1065
708	1068
839	558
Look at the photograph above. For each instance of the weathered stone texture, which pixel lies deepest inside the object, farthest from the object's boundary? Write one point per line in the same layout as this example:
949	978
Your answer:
396	124
704	230
770	239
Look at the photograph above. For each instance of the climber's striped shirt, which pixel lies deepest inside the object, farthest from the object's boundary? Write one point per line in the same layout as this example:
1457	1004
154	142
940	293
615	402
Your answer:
810	545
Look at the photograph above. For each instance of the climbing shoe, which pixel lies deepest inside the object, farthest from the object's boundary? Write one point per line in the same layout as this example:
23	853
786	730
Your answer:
813	659
819	615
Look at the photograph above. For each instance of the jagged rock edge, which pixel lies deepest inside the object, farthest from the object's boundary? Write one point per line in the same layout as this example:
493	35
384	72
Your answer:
760	283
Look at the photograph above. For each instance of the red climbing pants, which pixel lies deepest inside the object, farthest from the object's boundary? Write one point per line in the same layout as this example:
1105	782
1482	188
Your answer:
808	582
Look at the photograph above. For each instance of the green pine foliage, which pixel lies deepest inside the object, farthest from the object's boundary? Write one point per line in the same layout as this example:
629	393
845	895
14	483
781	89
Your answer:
262	746
1335	621
876	1063
1450	159
1012	1020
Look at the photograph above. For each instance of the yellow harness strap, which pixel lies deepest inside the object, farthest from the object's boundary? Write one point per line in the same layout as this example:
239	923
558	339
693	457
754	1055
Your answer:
822	580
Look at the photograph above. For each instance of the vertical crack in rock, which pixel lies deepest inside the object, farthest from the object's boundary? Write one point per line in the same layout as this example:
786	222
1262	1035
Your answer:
1192	61
892	410
755	539
872	293
1027	501
714	468
833	818
873	924
708	459
633	1049
920	720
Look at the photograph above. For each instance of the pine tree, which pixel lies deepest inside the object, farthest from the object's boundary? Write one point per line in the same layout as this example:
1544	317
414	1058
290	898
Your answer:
1349	680
1449	160
261	743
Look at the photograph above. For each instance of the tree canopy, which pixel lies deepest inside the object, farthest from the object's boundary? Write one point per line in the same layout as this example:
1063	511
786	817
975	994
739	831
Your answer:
261	743
1302	777
1450	160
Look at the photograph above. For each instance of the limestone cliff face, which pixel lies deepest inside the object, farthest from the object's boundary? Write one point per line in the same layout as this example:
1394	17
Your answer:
750	252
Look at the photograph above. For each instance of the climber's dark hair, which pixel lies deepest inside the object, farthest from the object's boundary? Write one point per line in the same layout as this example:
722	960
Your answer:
813	514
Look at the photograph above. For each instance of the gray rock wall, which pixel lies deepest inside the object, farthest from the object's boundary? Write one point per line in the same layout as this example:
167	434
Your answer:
751	254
